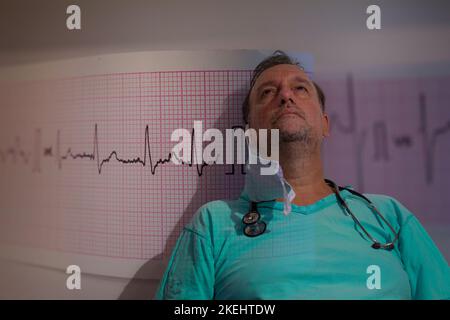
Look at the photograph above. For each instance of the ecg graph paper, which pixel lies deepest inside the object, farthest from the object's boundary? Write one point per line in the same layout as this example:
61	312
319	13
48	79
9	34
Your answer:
75	154
78	193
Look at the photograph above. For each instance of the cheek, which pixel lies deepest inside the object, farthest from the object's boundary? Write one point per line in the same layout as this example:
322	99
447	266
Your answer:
261	116
318	123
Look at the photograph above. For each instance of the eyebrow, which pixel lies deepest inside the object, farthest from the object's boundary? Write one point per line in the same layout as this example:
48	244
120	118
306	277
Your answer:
299	79
271	82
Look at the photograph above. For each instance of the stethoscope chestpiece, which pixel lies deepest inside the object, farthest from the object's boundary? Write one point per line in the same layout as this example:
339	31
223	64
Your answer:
255	229
251	217
253	225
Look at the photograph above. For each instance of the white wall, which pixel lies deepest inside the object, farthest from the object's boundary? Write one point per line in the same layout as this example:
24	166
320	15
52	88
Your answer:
413	32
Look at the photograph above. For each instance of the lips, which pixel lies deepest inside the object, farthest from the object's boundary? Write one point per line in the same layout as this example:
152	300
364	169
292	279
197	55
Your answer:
288	113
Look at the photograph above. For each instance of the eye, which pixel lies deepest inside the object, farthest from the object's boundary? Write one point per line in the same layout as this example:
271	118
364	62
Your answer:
266	92
301	88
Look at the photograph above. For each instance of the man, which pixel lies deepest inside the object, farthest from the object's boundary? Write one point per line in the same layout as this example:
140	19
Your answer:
318	251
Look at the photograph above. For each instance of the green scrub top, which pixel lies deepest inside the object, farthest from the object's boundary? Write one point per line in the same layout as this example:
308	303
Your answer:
315	252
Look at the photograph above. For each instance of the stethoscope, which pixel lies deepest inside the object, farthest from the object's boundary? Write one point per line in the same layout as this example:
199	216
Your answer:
254	226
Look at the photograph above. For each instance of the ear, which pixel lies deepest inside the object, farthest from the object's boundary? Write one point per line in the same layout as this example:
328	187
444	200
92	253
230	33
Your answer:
326	125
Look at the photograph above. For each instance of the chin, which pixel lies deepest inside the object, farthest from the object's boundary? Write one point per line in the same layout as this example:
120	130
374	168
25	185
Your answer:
290	128
296	133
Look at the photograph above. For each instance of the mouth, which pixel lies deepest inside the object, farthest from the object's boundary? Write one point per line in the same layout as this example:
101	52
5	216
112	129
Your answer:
284	114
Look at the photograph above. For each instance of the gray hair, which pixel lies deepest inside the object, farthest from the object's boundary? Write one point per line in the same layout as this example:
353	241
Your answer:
278	57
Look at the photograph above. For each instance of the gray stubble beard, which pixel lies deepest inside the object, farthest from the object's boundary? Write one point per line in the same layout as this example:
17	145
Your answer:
305	137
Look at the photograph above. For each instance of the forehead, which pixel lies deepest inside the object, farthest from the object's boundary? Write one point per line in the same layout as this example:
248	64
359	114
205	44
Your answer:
281	72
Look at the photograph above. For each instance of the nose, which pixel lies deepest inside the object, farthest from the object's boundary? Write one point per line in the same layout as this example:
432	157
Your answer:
285	96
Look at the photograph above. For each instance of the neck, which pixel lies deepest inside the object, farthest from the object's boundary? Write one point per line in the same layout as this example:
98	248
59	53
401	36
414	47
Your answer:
304	172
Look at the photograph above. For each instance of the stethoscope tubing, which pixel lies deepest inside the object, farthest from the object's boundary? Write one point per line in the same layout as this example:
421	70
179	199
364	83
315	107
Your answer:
254	226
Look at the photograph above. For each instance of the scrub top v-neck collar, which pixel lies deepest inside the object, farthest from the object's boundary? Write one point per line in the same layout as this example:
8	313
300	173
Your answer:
306	209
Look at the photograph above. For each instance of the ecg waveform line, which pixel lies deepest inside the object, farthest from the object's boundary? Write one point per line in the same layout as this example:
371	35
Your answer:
380	140
137	160
380	137
351	128
95	154
17	152
429	141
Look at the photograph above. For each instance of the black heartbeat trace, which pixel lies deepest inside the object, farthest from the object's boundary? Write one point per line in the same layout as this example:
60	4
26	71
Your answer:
17	152
95	155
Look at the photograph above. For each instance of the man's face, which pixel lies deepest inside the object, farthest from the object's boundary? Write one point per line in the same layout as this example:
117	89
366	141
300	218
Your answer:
284	98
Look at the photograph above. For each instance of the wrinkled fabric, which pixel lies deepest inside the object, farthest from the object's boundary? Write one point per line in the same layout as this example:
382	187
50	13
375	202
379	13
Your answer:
315	252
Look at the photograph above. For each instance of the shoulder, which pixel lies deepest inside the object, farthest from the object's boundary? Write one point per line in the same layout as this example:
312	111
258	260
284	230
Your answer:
392	208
